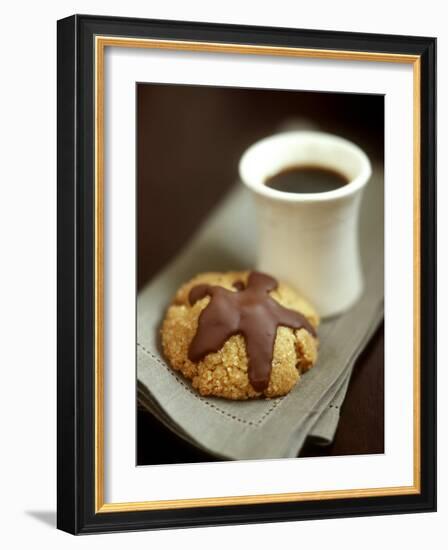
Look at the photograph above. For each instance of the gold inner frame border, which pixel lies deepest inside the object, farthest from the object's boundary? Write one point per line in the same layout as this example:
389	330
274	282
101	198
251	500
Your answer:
100	44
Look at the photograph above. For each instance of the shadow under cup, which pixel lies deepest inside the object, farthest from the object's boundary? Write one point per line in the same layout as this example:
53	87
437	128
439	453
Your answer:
309	240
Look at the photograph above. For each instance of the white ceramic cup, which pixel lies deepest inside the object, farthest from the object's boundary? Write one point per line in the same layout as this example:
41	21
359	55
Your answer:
310	240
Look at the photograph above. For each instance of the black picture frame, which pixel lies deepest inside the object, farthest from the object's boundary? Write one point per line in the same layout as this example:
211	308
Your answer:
76	480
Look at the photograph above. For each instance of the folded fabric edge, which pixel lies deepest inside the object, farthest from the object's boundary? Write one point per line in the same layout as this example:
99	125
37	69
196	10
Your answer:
151	407
324	430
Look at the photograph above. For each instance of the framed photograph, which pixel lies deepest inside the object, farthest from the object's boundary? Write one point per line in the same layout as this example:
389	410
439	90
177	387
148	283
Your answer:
246	274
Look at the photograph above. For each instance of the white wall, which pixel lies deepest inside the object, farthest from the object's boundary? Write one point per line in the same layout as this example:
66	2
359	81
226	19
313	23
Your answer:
28	274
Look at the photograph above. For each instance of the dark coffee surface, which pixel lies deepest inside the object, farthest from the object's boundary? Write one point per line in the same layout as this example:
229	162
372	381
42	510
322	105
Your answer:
306	179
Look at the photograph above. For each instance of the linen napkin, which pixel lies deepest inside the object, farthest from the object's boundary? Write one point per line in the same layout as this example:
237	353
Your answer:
265	428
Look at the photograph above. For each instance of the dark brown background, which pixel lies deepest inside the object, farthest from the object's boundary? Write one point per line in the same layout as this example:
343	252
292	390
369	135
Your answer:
189	141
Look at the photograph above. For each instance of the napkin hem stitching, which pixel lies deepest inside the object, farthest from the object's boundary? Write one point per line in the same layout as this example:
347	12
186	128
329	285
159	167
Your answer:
204	401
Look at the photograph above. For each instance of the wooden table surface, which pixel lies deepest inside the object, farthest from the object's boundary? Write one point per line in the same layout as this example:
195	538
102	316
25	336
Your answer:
190	139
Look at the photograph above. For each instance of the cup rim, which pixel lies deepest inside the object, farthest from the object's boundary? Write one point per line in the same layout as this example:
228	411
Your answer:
350	188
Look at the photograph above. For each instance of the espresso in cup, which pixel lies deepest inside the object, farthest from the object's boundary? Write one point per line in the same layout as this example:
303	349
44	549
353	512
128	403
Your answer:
308	235
306	179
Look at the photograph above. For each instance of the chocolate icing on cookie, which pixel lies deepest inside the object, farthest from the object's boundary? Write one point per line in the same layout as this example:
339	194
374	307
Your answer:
251	312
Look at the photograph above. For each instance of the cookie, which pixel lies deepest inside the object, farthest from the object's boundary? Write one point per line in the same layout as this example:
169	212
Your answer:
240	335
